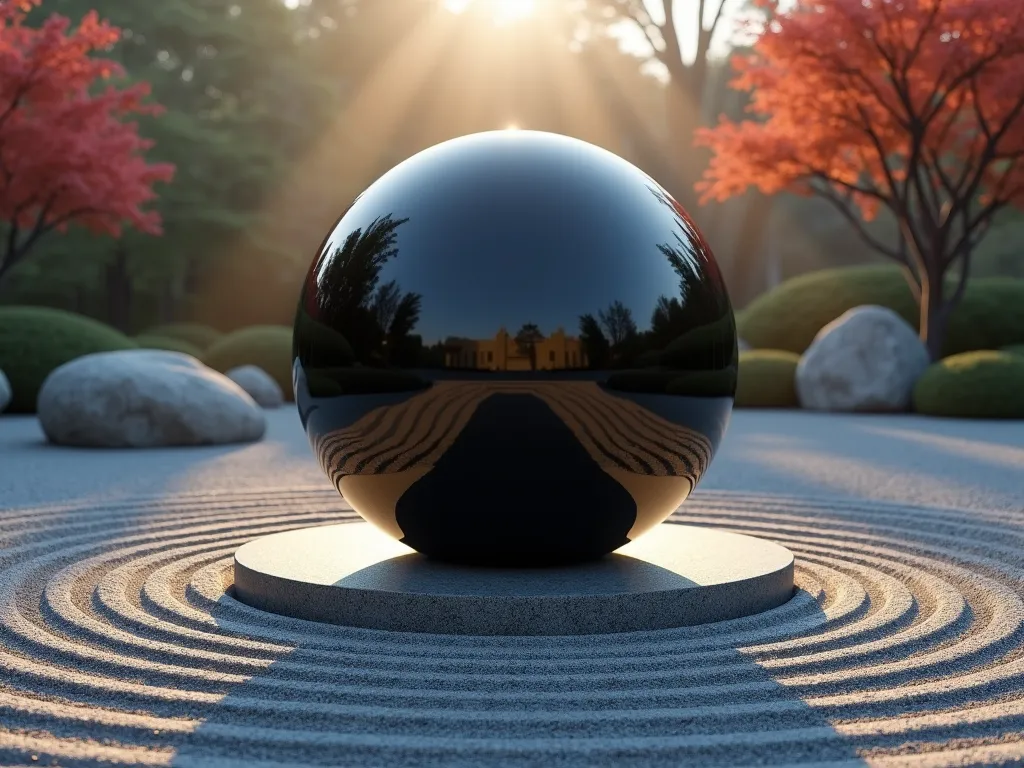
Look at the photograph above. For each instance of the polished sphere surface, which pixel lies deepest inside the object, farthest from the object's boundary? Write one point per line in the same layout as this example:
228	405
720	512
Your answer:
515	349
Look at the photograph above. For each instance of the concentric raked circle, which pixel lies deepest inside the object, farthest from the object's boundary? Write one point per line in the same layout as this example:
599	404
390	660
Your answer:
120	643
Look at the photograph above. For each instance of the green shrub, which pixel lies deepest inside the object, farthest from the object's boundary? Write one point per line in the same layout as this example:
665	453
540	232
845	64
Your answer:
266	346
767	379
990	315
35	340
148	341
973	385
201	336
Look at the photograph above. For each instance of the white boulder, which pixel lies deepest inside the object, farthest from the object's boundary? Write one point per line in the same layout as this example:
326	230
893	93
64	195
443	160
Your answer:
142	399
259	384
868	359
6	393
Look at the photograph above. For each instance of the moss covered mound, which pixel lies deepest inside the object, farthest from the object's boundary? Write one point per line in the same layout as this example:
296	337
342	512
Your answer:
266	346
973	385
35	340
767	379
989	316
148	341
200	336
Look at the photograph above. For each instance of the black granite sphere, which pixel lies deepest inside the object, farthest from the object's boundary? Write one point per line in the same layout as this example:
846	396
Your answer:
515	348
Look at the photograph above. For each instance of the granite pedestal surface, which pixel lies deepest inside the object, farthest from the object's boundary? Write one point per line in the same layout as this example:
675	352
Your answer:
354	575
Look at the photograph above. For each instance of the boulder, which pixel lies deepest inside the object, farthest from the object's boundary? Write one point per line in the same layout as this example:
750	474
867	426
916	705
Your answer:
259	384
742	346
6	394
145	398
868	359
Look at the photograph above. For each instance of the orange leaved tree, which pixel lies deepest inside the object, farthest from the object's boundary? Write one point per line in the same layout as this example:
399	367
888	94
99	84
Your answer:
68	152
914	107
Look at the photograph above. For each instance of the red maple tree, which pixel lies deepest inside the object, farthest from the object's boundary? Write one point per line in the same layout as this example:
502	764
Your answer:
67	152
911	106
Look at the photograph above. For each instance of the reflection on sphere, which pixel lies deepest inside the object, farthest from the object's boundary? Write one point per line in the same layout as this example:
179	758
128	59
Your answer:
515	348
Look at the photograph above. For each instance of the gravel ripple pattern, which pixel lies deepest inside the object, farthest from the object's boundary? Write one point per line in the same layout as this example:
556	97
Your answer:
120	643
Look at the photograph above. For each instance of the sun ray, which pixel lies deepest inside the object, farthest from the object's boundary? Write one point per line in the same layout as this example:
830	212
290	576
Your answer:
384	102
499	11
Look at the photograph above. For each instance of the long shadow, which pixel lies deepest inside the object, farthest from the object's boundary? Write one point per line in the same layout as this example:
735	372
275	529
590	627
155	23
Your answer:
342	696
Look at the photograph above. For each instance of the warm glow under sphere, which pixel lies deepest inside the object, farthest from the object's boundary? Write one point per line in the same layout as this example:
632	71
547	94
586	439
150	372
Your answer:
515	348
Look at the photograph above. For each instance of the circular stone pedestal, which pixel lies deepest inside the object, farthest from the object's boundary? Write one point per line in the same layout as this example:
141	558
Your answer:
355	575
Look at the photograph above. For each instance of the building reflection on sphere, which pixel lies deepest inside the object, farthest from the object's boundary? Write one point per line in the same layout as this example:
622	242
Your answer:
515	348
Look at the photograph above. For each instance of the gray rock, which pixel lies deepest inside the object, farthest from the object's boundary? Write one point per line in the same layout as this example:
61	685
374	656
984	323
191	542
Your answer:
165	356
142	399
5	392
259	384
868	359
742	345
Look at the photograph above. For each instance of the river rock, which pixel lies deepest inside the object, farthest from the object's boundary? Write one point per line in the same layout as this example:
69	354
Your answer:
144	399
259	384
6	393
868	359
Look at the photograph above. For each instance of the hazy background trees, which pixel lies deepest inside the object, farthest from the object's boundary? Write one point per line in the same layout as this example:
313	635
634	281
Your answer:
279	112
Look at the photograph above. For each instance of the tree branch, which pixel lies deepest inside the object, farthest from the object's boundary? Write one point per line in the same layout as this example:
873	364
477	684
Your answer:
883	159
637	13
9	253
975	229
961	285
966	194
670	36
871	192
843	204
714	21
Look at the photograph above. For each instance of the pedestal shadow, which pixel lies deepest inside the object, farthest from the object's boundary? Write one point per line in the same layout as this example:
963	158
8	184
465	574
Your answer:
689	696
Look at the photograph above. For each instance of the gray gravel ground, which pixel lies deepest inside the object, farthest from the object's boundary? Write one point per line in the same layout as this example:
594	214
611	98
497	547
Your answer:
120	642
970	464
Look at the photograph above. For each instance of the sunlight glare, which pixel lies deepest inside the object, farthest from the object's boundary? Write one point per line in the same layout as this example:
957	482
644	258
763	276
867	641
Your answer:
500	11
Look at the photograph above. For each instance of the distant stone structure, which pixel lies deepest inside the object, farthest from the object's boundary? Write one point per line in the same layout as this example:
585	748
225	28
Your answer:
502	353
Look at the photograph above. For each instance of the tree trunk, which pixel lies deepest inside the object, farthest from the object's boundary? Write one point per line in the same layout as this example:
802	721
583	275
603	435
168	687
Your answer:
934	315
5	266
684	159
119	291
749	262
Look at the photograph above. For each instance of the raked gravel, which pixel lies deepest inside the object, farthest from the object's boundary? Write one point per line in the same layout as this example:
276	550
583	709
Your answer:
120	642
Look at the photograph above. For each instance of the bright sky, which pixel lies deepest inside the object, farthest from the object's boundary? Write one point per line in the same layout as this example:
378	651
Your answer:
632	39
503	11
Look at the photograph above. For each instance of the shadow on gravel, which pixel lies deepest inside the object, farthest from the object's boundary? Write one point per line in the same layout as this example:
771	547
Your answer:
669	698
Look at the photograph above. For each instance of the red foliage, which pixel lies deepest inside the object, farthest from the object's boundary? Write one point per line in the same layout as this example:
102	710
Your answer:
836	79
67	151
911	105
